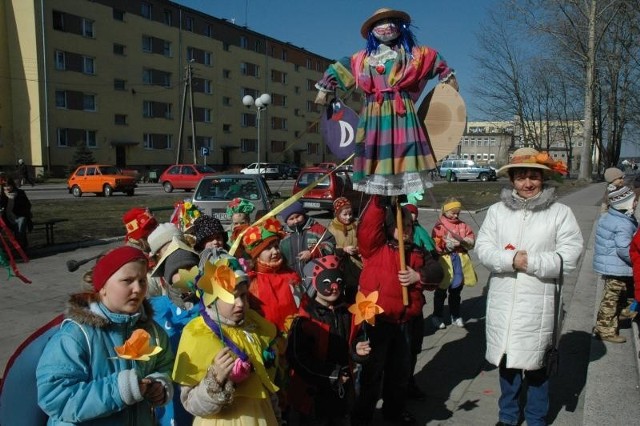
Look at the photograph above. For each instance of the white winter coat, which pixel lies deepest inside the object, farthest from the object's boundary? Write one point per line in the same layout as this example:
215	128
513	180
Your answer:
520	306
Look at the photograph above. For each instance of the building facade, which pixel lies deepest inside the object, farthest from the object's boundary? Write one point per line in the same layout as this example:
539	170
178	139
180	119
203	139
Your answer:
127	78
491	143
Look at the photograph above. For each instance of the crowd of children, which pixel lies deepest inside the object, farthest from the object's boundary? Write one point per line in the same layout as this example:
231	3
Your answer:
178	330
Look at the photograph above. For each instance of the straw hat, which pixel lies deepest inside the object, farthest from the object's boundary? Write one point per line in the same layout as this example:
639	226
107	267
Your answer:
524	158
380	14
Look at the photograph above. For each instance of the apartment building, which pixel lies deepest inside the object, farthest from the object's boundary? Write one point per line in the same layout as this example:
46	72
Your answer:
126	78
492	142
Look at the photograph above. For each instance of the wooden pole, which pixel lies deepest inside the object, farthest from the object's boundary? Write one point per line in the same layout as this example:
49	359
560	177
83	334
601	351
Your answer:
403	266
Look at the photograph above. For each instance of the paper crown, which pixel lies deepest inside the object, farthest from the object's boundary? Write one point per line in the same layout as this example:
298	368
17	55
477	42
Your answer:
256	238
220	278
239	205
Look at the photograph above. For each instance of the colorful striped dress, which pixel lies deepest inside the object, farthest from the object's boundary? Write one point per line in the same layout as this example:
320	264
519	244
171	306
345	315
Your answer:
392	154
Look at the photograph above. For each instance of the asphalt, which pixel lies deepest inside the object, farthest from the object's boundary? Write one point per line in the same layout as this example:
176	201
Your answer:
598	382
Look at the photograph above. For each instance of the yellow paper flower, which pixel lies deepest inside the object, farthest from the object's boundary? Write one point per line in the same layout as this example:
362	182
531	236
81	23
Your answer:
137	347
365	308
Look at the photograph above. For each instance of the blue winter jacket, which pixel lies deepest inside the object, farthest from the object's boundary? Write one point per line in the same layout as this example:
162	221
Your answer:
614	233
81	381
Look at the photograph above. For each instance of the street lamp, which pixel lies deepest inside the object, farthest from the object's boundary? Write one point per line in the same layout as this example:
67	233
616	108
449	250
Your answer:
261	104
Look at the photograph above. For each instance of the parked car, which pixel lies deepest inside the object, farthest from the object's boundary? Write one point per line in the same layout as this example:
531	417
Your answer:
100	179
269	171
288	171
336	184
465	170
214	192
184	176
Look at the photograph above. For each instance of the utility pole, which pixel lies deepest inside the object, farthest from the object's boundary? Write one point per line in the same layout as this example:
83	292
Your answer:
193	118
184	104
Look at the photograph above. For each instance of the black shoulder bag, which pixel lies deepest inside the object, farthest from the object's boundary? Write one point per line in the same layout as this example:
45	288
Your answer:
552	355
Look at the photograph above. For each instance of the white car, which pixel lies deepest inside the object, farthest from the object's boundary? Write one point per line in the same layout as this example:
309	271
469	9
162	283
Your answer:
269	171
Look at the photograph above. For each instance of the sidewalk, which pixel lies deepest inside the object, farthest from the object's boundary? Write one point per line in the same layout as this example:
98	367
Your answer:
598	382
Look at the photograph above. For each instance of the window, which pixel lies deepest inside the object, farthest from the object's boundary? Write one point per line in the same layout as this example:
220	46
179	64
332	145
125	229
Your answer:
248	145
61	99
283	55
88	65
309	64
243	42
225	46
278	146
278	76
311	85
151	109
156	77
118	14
60	60
207	87
258	46
119	84
312	148
278	123
89	102
146	9
62	136
166	48
120	119
279	100
90	138
207	115
296	90
188	24
208	31
118	49
226	101
248	120
168	17
87	28
492	157
157	141
226	128
147	44
226	73
312	127
208	58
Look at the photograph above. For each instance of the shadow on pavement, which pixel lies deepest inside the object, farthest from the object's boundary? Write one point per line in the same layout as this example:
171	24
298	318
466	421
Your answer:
577	348
455	362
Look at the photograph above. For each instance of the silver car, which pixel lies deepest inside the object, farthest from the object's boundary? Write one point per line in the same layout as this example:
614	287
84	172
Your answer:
214	192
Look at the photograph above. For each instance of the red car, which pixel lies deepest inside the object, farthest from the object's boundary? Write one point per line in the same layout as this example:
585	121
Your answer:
337	184
184	176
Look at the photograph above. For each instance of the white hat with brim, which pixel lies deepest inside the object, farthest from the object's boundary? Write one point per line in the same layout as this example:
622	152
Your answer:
379	15
523	158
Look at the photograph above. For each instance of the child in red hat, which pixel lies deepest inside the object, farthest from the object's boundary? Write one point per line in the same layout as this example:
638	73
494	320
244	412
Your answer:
109	362
139	222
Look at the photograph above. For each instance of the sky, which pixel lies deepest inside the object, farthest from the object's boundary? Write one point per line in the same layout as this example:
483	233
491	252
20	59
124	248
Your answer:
331	28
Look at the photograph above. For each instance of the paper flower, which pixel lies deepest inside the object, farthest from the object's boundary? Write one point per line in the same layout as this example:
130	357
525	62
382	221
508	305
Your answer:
365	308
240	371
137	347
509	247
219	280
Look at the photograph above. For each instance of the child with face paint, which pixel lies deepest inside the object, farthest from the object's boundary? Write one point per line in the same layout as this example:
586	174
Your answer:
225	362
319	352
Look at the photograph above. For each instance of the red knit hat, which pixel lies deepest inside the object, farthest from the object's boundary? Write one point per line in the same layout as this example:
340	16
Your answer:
139	223
413	209
108	264
339	204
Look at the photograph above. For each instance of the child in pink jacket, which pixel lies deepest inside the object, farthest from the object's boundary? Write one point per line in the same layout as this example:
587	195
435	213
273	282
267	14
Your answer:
454	239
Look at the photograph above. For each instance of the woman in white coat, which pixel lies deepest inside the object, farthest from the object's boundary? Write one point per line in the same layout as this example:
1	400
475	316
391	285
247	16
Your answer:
523	241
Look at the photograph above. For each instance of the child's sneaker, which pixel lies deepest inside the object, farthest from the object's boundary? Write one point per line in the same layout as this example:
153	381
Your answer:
457	321
437	322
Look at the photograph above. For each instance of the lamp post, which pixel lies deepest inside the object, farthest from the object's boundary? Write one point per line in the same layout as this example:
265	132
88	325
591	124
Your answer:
261	104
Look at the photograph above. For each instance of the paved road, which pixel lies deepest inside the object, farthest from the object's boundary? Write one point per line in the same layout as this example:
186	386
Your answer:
598	381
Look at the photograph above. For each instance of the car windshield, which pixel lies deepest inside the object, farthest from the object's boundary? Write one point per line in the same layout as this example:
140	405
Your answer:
307	179
227	189
201	168
109	170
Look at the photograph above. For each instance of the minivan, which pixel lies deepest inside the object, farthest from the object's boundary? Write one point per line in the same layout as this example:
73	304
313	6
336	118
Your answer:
465	170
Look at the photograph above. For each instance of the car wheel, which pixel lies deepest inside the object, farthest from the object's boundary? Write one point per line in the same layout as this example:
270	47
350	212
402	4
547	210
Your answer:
484	177
107	191
76	191
167	187
130	192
